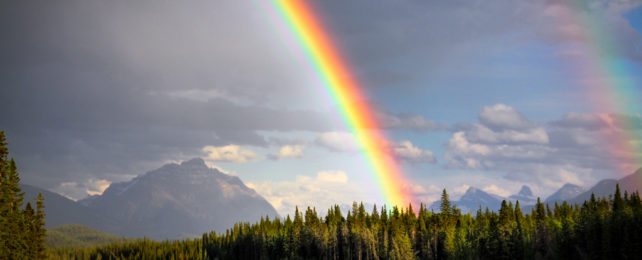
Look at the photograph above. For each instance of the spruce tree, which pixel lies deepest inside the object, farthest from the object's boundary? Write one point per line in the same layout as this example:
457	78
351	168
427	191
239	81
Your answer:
39	228
445	203
21	230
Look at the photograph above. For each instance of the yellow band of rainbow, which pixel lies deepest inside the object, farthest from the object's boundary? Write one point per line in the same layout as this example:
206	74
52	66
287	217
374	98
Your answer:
347	94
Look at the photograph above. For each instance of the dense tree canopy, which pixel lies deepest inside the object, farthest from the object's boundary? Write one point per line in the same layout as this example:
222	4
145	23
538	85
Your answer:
22	231
605	228
601	228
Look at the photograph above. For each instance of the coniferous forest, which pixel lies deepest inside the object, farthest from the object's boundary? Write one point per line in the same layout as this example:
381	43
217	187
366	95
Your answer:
601	228
598	229
22	231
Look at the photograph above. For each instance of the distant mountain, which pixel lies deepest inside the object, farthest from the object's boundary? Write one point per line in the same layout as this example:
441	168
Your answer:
566	192
472	200
180	201
631	182
525	196
78	236
60	210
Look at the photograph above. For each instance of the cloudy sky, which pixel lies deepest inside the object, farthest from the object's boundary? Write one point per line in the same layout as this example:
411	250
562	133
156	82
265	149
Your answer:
491	94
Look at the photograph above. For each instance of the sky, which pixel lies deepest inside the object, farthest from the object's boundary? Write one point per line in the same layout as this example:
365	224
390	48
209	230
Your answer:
486	94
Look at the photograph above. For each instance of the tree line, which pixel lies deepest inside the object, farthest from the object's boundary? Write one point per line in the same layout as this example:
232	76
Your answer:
22	232
601	228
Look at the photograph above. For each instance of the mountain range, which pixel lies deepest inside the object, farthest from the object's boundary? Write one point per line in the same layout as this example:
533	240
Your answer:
174	201
187	199
475	198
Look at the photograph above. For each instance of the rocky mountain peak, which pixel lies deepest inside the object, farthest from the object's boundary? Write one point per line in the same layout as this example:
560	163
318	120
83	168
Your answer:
525	191
196	162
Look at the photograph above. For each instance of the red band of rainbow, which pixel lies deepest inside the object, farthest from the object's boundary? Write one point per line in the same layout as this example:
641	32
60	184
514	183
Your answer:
347	94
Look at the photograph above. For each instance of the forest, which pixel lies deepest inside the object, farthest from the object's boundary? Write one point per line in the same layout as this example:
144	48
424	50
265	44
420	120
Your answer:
601	228
22	231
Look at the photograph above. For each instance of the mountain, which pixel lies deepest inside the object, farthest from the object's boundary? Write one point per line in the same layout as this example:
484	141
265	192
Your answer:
77	236
566	192
604	188
60	210
631	182
525	196
472	200
177	201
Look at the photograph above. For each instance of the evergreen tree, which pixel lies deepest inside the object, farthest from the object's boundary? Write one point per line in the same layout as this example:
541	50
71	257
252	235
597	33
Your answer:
40	233
20	229
445	203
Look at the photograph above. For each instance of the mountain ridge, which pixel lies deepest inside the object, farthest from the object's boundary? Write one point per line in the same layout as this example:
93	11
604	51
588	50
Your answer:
180	200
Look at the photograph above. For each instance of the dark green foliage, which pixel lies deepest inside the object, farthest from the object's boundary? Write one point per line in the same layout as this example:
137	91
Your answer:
22	231
599	229
603	229
79	236
136	249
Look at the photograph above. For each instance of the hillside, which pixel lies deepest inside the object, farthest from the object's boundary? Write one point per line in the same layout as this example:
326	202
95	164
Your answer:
61	210
79	236
180	200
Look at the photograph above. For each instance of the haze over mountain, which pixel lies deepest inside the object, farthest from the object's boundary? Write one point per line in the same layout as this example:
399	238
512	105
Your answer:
604	188
187	199
472	200
474	197
61	210
566	192
525	196
180	200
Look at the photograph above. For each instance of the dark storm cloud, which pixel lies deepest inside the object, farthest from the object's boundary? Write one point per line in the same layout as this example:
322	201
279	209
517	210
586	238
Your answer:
108	89
97	89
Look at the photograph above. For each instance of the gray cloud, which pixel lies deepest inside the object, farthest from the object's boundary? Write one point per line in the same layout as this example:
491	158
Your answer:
107	90
577	148
110	90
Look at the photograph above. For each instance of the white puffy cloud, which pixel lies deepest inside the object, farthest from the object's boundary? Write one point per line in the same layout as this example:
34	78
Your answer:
458	144
461	189
74	190
573	149
97	187
229	153
503	117
288	151
332	176
406	151
326	189
214	166
338	141
482	134
493	189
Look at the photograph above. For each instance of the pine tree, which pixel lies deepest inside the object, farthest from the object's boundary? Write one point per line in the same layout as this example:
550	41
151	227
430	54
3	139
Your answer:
39	228
21	230
445	203
4	198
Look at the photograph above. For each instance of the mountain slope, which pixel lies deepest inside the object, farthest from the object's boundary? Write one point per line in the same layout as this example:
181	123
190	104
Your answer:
60	210
180	201
604	188
525	196
76	236
566	192
472	200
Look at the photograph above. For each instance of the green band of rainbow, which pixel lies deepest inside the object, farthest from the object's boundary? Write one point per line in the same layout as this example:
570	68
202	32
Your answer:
347	94
607	82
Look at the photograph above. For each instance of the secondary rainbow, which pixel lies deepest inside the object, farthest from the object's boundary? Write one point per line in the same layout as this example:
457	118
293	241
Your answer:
607	80
348	95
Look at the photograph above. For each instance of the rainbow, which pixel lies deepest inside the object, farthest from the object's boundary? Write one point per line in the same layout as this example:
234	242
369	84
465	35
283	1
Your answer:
607	81
347	94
